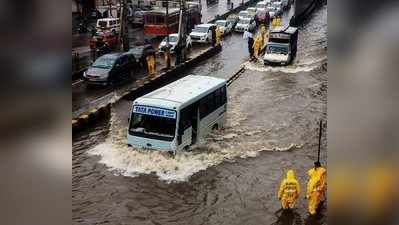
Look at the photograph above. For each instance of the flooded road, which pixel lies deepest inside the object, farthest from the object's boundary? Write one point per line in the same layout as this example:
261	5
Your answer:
230	178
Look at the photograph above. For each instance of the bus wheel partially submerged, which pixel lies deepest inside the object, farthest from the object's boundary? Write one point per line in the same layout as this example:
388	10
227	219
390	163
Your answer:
177	115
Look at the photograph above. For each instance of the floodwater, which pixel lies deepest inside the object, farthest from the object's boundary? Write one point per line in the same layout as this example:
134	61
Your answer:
231	177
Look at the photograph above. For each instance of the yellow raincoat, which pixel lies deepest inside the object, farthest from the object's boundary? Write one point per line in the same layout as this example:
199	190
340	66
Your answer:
316	188
218	35
289	191
257	45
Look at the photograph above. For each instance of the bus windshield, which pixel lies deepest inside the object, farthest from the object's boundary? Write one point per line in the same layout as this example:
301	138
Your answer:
153	127
279	49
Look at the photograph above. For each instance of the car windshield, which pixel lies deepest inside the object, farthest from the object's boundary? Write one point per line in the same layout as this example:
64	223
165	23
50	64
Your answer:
243	13
154	127
105	62
279	49
221	23
171	39
200	29
102	23
244	21
137	50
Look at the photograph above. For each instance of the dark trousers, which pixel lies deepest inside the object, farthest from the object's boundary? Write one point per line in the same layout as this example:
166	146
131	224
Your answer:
250	47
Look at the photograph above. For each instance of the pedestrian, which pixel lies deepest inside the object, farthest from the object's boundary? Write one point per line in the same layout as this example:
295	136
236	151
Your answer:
248	35
316	187
289	190
213	30
257	45
218	35
232	6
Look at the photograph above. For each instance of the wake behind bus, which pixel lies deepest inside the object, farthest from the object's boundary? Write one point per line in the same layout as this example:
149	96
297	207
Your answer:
178	115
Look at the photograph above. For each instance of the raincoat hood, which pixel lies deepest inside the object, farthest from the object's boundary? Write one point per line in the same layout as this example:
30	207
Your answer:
290	174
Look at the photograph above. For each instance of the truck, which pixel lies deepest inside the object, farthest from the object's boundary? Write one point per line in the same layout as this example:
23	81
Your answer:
281	47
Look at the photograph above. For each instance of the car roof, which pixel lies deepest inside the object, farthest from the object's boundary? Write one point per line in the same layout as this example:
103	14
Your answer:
245	11
205	25
107	19
221	21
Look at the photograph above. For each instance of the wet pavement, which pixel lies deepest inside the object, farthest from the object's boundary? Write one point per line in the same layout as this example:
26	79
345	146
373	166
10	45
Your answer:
233	176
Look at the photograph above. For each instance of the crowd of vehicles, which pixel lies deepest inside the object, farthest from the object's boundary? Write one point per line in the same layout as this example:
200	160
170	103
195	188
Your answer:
179	114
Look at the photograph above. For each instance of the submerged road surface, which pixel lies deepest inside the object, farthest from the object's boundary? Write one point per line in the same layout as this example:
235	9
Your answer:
232	177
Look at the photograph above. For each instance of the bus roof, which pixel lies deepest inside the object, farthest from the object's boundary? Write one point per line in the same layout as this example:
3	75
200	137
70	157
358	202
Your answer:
181	91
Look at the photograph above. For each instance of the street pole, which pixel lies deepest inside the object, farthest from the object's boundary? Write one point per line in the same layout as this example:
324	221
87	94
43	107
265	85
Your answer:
320	132
123	34
181	42
167	52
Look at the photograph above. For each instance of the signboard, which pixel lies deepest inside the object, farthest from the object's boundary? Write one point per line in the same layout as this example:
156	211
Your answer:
154	111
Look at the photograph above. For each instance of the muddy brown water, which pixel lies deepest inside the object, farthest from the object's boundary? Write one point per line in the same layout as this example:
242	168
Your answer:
230	178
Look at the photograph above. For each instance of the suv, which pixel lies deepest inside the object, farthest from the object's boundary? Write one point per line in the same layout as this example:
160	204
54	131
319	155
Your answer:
110	69
202	33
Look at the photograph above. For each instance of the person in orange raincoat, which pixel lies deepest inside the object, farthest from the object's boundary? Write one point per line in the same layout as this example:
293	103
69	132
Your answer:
289	191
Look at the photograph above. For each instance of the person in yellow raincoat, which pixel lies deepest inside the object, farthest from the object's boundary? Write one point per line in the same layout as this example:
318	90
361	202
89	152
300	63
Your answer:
150	64
257	45
316	187
289	191
167	57
218	35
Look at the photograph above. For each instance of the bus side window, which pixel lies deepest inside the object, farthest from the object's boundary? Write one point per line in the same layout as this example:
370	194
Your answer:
203	107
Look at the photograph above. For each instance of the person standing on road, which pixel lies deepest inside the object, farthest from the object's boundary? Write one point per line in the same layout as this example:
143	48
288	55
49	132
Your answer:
249	36
316	187
289	191
213	30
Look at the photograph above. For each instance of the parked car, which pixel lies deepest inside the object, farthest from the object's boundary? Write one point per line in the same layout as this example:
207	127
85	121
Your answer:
245	24
262	4
202	33
110	69
173	42
108	24
225	26
243	14
141	52
108	38
251	11
233	18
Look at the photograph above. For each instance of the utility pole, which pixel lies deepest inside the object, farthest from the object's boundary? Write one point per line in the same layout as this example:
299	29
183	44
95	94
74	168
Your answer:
318	150
181	41
167	51
123	34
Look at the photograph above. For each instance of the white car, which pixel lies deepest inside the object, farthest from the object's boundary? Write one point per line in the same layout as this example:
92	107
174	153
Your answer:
202	33
279	6
243	14
272	11
225	26
245	24
173	42
251	10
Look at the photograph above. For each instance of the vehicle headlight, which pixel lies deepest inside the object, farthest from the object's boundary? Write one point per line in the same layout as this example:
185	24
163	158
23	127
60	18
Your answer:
84	74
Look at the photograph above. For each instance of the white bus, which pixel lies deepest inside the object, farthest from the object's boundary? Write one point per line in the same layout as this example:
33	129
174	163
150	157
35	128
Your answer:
178	115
